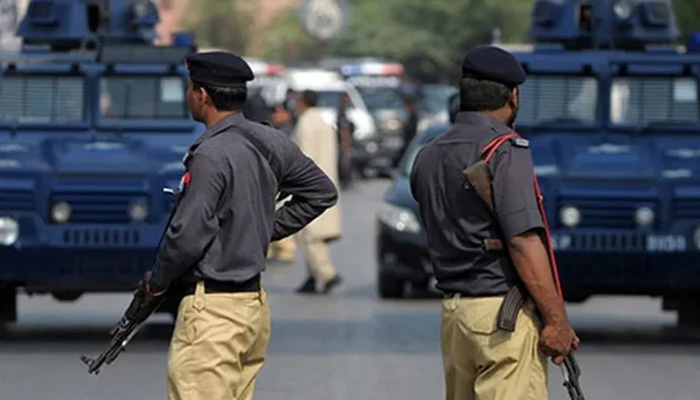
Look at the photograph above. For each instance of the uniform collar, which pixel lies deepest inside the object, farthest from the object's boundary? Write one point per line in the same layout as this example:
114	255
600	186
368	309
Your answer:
218	127
476	118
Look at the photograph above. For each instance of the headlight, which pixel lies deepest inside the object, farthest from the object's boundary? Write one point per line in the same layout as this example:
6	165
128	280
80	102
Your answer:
371	147
60	212
570	216
9	231
644	216
399	218
391	125
623	9
138	211
696	237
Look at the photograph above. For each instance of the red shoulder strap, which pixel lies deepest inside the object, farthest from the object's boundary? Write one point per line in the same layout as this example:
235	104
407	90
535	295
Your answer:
487	153
490	149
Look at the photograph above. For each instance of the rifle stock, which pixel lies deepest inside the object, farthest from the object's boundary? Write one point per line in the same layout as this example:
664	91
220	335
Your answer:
479	178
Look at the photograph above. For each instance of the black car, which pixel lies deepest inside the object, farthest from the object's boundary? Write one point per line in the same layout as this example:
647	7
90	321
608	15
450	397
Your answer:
402	256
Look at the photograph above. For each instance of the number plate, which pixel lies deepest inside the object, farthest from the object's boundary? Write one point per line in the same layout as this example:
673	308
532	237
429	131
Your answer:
666	243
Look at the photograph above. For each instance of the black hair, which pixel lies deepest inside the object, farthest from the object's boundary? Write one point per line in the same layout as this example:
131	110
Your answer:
310	98
482	95
224	98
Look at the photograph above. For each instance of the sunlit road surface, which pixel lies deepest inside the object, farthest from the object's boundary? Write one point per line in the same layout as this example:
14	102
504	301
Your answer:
349	346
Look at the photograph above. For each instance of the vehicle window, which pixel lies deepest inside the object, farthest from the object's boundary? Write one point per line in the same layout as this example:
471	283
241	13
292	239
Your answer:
330	99
143	98
42	99
640	100
435	98
414	147
558	98
381	98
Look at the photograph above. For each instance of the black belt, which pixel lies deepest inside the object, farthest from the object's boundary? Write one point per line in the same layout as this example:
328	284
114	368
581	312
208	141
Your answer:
512	303
212	286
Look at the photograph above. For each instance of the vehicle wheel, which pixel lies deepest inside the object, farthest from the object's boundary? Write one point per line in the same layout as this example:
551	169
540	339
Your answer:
66	296
575	298
389	287
688	316
8	304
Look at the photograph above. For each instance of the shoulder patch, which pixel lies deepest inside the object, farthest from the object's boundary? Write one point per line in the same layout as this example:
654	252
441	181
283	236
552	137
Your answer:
520	142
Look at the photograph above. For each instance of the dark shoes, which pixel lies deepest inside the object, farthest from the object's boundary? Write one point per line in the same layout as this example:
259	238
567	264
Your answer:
309	286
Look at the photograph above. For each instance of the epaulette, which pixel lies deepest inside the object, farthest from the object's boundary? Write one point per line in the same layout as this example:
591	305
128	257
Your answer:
520	142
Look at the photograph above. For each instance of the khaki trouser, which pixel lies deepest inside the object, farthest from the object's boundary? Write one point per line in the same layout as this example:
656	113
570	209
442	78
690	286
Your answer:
318	257
284	249
218	346
484	363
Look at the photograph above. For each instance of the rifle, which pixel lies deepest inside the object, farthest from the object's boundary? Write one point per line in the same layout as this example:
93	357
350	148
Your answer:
127	327
478	177
134	316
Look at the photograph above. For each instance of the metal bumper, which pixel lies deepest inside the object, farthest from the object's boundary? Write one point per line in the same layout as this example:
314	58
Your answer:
87	257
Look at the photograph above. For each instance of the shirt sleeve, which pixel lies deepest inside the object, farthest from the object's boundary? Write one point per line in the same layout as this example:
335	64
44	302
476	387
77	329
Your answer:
515	202
194	225
311	189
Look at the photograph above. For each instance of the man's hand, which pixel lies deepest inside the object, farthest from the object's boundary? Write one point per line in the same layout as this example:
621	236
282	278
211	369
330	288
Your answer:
557	340
146	291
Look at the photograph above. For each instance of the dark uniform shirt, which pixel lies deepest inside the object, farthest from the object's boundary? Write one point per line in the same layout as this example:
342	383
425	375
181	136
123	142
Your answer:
226	218
456	219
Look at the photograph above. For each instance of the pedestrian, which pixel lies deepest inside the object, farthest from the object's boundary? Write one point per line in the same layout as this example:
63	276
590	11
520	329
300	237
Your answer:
345	130
213	250
255	108
284	250
317	139
480	257
410	126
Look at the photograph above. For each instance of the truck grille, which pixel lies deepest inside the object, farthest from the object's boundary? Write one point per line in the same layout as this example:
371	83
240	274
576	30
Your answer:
606	213
16	200
101	237
686	209
98	204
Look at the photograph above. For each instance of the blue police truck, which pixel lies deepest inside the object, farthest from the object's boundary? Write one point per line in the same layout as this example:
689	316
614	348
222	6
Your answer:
611	111
93	125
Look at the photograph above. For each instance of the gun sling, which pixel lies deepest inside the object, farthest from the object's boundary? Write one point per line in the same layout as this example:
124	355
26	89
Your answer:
479	179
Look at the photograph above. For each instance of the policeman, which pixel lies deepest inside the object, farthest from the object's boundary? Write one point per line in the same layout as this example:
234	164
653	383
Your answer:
480	360
213	252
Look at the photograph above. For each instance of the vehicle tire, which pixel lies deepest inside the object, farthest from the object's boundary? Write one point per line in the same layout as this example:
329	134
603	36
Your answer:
390	287
66	296
688	316
8	304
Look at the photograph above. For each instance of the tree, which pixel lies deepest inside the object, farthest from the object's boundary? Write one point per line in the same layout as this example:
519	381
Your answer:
687	15
221	23
429	37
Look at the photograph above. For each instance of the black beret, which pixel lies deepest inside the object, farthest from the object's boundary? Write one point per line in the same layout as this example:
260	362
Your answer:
493	64
219	68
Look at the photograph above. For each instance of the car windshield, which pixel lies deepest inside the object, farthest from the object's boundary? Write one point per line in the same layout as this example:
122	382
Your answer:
42	99
435	98
143	98
381	98
645	100
416	144
551	98
329	98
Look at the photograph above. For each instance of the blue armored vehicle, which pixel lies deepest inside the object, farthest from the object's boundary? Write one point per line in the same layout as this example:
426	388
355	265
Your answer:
612	114
93	125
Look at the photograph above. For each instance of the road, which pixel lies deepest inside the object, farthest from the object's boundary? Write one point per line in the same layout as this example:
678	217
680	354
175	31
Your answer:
348	346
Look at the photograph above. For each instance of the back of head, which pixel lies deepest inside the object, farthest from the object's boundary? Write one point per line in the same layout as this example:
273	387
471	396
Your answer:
489	75
223	76
309	98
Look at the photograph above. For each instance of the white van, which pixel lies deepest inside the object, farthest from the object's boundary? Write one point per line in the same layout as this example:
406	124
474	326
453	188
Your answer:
330	86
